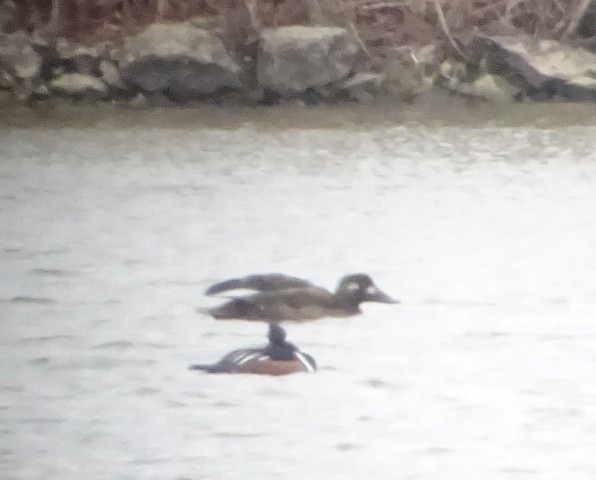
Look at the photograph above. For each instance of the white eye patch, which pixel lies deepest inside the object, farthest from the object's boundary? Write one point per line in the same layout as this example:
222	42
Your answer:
371	290
353	286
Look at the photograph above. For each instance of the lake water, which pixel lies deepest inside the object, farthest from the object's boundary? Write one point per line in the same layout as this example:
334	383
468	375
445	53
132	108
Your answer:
480	221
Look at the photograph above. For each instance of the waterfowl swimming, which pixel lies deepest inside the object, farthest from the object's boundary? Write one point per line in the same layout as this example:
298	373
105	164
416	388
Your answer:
279	357
262	282
304	303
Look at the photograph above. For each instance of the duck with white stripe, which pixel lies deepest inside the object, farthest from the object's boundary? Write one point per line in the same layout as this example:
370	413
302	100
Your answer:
279	357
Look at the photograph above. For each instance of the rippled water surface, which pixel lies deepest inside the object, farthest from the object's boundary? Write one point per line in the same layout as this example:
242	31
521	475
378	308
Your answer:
110	232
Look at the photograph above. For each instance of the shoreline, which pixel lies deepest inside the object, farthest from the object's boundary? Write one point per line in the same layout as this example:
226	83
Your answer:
429	111
373	51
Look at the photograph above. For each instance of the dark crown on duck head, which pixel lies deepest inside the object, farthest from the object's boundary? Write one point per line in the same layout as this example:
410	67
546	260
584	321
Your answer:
359	287
278	348
277	335
362	280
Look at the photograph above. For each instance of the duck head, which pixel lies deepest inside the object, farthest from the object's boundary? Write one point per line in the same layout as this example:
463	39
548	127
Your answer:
277	335
278	348
359	288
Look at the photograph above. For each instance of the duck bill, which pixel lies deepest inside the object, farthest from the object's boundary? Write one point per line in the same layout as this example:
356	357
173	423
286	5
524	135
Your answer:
379	296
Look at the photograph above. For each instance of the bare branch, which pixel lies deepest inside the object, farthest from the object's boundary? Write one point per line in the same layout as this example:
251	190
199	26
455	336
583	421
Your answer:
576	18
359	40
446	31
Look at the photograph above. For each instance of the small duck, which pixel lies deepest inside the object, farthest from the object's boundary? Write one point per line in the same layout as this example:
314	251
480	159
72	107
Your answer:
301	303
279	357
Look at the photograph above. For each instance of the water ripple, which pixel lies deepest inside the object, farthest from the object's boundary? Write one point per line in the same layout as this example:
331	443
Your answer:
224	404
347	446
146	391
105	363
239	435
438	450
12	389
528	471
43	420
35	253
40	361
196	394
91	437
376	383
156	345
25	299
116	344
45	339
52	272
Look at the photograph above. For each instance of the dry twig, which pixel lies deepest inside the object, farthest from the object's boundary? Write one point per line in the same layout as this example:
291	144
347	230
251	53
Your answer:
580	11
445	29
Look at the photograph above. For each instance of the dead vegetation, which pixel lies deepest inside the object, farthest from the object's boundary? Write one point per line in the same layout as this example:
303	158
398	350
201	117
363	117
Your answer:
378	23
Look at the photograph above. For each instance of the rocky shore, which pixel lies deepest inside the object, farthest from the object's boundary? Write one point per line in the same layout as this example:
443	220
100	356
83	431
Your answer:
180	63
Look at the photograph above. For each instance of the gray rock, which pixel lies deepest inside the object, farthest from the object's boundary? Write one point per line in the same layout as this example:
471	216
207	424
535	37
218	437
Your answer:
175	41
494	88
110	74
541	69
18	57
139	101
186	62
293	59
67	50
20	65
42	90
181	78
79	86
405	71
363	86
452	75
76	57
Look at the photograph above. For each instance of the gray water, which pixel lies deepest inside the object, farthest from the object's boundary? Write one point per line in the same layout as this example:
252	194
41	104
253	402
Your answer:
483	227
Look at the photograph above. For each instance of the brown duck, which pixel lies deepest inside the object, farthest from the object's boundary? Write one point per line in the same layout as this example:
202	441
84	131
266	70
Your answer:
279	298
